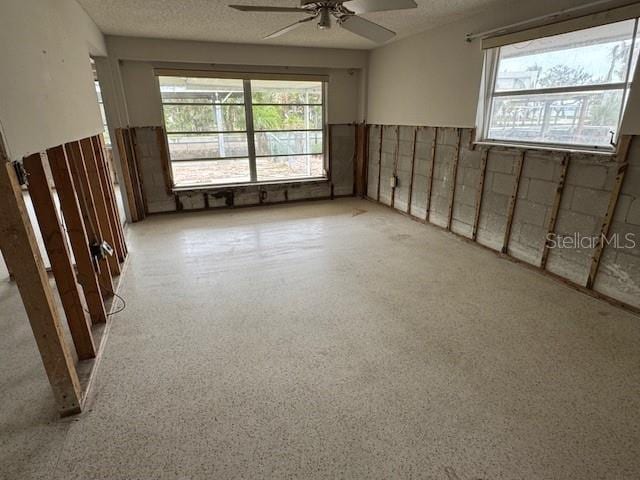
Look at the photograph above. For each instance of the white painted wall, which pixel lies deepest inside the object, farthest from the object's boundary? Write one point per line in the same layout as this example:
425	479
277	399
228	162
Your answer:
433	78
47	96
132	61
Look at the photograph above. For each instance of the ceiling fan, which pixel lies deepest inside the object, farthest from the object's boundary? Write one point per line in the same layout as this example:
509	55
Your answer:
344	11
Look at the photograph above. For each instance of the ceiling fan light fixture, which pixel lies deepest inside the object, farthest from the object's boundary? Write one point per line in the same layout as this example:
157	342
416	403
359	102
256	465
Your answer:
325	19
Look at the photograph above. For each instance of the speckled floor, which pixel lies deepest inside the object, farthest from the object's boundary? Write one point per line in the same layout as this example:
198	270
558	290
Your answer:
331	340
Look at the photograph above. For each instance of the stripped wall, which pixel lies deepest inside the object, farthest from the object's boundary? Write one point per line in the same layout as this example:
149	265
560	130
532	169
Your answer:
159	197
511	200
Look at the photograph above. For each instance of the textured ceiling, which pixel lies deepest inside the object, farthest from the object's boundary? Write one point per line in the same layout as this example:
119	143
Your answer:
212	20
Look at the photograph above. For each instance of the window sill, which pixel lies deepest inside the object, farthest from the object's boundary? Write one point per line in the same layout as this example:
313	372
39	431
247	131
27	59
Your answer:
546	148
227	186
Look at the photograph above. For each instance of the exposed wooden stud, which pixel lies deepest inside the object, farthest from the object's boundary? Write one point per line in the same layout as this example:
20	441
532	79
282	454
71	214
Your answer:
365	173
396	158
110	196
91	162
555	209
55	243
454	177
359	168
77	233
622	166
20	249
126	174
135	177
165	161
413	166
431	172
479	193
512	203
140	192
380	162
87	204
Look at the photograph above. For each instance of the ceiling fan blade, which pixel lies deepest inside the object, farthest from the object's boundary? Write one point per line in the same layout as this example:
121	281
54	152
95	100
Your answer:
367	6
288	28
366	29
255	8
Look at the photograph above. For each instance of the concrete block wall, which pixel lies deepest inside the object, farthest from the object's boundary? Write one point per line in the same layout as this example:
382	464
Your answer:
619	274
373	160
403	169
425	138
584	204
387	162
443	172
584	201
499	183
467	182
343	148
539	181
160	200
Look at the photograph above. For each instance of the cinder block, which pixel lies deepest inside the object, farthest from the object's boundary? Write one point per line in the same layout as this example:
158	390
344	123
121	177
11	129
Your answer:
632	181
570	222
406	134
471	177
503	183
447	136
464	213
543	192
633	215
503	162
538	167
590	202
493	202
585	175
466	195
628	237
530	212
523	189
470	158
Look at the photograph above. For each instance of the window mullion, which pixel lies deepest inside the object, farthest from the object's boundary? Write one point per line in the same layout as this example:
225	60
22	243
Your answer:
251	139
627	80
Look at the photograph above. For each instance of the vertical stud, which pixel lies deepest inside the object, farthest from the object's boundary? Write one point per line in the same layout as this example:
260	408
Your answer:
19	247
555	209
77	232
512	203
55	243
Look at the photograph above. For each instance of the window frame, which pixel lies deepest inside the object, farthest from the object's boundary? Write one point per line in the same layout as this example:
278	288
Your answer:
250	132
489	93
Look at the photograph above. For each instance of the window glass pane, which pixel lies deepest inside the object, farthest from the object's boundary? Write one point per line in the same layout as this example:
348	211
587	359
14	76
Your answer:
593	56
216	145
282	168
282	92
634	55
583	118
201	90
282	143
211	172
203	118
287	117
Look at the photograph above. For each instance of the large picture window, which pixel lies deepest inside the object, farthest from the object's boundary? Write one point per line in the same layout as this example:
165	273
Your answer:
565	90
228	130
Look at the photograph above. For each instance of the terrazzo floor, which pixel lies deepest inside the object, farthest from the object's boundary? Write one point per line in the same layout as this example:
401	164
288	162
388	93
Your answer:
331	340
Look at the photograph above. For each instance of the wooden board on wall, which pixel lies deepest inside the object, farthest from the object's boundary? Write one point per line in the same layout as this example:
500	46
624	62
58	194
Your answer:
55	243
20	248
77	232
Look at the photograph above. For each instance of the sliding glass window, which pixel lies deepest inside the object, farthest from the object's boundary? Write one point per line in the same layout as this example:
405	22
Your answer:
567	90
226	131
